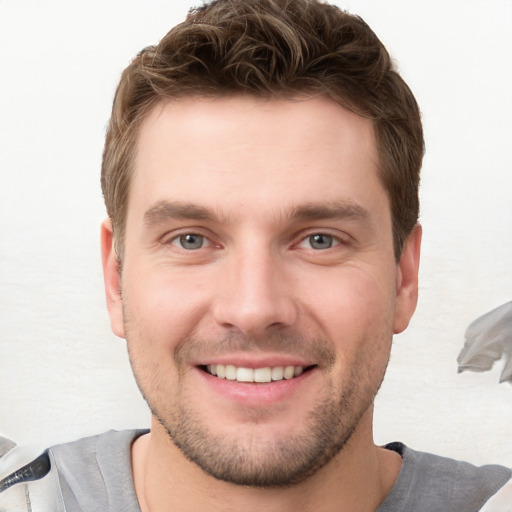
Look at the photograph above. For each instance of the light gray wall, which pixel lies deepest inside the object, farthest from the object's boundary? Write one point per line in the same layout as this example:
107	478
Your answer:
64	375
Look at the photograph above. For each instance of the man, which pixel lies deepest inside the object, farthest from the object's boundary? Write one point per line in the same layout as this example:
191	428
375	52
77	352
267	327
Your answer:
260	175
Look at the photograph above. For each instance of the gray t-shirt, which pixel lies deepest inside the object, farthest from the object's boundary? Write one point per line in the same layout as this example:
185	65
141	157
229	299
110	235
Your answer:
95	474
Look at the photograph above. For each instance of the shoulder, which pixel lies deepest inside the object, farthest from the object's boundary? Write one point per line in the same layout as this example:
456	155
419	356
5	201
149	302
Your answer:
501	501
440	483
95	472
89	450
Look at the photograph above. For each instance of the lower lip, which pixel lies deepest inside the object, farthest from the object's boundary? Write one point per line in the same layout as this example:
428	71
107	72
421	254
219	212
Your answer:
252	393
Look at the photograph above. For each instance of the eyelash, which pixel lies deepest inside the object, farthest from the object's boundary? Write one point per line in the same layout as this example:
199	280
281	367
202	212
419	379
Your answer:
178	239
333	241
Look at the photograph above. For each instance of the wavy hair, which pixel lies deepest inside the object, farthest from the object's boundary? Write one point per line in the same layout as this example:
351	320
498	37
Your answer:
271	49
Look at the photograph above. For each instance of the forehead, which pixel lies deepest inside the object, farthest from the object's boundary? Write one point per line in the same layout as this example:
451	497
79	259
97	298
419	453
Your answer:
241	149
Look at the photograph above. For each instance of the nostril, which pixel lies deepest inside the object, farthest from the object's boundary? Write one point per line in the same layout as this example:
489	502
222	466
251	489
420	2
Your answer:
253	309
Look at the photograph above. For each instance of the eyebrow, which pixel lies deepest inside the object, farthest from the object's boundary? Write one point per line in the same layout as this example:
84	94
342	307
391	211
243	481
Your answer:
164	210
334	210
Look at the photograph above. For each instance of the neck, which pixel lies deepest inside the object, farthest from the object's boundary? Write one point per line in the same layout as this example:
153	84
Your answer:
356	480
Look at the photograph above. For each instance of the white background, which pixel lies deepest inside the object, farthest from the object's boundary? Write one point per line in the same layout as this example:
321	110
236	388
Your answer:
64	375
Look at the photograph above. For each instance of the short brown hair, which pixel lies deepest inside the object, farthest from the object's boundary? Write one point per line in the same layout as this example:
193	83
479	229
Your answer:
271	48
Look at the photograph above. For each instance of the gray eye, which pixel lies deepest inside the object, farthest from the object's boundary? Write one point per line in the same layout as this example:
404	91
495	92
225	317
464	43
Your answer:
191	241
321	241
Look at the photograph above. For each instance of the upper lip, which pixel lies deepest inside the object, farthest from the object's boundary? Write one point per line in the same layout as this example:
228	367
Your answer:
252	361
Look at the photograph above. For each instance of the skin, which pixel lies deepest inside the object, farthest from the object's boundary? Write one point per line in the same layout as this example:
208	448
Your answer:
261	180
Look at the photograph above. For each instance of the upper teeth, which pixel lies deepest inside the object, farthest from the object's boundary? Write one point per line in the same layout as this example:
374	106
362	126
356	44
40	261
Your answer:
267	374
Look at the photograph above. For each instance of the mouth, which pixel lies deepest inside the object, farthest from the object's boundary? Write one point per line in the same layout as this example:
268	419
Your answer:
255	375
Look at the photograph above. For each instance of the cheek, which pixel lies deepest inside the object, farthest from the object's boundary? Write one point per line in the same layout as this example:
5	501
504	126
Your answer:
162	309
355	310
358	320
350	296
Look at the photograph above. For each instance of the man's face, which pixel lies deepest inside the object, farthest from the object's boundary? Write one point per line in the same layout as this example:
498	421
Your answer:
259	290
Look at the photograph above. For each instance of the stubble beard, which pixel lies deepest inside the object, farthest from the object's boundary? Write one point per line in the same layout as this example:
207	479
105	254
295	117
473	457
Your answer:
249	460
255	462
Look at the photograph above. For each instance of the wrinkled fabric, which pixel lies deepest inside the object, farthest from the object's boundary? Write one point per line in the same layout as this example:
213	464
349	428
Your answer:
95	474
488	339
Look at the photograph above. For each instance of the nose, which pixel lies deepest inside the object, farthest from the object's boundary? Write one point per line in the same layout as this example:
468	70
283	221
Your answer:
255	294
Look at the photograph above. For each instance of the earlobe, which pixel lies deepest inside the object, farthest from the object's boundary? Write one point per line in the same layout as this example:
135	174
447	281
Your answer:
407	280
112	279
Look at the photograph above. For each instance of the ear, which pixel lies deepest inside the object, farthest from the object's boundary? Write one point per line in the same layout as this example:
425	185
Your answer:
112	279
407	280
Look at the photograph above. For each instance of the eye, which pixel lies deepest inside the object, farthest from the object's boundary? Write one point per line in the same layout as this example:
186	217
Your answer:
190	241
319	241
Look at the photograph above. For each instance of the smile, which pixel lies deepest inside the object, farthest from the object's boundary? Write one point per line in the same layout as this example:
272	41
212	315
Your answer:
259	375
